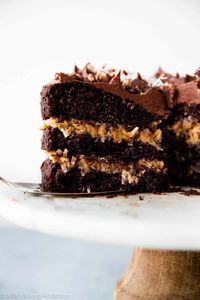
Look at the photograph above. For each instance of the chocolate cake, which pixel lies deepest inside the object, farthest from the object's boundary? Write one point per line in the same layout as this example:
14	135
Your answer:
108	130
103	131
183	127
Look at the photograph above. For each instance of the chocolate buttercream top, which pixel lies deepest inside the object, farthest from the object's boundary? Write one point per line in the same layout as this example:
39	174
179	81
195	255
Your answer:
180	90
120	83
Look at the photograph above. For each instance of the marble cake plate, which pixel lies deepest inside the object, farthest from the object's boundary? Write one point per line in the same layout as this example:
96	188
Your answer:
168	221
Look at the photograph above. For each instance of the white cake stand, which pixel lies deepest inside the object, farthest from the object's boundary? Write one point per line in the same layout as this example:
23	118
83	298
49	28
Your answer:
168	221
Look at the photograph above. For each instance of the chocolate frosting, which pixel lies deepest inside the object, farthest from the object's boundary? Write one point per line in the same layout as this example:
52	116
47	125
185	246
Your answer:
180	90
119	83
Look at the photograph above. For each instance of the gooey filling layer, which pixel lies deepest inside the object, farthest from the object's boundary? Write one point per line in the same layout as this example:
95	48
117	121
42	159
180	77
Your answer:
118	133
129	173
189	128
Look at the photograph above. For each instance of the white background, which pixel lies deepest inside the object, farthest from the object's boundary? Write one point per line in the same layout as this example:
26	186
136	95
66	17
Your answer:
39	38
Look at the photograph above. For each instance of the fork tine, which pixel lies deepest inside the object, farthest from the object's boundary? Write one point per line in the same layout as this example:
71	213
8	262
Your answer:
34	188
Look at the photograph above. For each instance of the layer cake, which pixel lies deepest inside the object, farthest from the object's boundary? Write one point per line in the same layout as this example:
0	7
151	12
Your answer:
103	131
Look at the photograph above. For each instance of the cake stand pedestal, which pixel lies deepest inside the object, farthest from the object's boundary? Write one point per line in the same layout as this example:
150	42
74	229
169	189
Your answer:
168	222
161	275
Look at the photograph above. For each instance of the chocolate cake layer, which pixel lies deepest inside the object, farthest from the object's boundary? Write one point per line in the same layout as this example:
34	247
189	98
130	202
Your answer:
181	151
54	139
55	180
185	173
180	111
83	101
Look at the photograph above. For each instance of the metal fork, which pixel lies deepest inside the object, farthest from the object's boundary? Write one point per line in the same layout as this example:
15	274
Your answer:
35	188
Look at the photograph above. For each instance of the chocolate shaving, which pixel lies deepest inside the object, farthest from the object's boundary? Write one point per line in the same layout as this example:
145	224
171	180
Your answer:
180	90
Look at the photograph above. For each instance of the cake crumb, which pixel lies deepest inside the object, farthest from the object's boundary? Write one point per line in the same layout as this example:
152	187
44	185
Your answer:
190	192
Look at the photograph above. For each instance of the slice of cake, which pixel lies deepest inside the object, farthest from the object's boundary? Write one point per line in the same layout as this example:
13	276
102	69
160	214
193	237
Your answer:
183	95
103	132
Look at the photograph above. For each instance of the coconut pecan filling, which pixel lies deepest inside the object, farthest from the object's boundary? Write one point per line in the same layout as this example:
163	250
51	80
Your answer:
189	128
129	172
152	136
